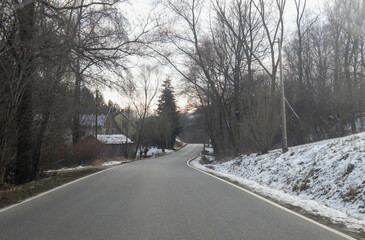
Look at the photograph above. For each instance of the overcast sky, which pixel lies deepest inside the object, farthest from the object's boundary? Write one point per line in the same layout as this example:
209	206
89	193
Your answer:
139	9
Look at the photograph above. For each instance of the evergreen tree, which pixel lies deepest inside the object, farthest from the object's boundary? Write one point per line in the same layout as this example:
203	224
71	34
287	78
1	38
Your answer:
168	115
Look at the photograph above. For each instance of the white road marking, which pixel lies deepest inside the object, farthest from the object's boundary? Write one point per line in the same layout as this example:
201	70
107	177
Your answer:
272	203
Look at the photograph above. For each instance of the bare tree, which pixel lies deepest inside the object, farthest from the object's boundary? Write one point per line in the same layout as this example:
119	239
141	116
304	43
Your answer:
24	56
147	86
271	15
41	43
197	48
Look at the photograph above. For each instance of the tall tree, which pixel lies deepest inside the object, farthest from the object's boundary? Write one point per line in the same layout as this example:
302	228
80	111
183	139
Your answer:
147	89
168	114
24	57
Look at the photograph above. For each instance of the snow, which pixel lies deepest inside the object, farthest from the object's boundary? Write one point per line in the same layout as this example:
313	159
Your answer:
114	139
154	152
157	151
209	150
105	164
65	169
113	163
325	178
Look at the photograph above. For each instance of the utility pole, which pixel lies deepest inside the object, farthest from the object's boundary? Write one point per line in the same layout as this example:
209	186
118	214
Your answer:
283	115
96	114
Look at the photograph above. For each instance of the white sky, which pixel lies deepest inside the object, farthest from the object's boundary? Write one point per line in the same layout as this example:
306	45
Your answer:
139	9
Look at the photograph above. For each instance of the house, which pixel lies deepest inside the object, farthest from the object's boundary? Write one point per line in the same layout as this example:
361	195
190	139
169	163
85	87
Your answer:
112	123
116	145
88	122
118	123
87	126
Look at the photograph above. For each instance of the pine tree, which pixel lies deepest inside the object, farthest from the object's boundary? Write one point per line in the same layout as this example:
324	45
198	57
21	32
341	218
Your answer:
168	115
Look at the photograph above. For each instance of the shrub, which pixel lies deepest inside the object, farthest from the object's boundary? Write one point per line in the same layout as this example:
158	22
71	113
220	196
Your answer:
82	153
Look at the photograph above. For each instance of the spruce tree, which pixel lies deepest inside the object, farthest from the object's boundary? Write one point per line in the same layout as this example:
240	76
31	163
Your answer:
168	115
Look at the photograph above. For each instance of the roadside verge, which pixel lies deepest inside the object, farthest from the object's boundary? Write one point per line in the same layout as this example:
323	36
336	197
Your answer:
17	195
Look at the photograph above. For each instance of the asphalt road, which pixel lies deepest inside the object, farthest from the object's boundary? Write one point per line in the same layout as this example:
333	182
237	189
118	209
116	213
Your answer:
158	199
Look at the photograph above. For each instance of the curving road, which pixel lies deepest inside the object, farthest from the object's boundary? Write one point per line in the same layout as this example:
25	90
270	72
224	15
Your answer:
157	199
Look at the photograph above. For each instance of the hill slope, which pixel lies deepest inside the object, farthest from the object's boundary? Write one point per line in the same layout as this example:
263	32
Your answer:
326	177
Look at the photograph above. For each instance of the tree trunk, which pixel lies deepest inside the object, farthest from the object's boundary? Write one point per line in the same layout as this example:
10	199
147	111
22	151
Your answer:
46	116
348	57
139	133
76	109
24	114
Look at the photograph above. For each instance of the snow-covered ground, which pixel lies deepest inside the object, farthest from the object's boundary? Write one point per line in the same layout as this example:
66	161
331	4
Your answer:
325	178
65	169
209	150
114	139
155	152
113	163
105	164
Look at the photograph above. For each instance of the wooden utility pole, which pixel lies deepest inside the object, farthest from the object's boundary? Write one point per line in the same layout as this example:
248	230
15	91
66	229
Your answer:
283	115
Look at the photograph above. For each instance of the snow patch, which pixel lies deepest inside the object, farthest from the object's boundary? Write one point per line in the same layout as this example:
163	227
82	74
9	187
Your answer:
114	139
65	169
113	163
156	151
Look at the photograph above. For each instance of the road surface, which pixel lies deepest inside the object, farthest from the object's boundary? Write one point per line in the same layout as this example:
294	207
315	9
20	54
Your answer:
157	199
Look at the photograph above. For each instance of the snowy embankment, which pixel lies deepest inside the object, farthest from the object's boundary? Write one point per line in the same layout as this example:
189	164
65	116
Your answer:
325	178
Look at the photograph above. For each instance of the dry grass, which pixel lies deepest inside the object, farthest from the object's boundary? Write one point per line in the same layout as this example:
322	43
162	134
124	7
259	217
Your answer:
97	162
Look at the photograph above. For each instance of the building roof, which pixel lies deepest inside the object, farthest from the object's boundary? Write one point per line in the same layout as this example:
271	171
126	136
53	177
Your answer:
114	139
122	121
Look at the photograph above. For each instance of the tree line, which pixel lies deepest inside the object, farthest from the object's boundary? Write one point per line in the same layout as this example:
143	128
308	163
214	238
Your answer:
227	51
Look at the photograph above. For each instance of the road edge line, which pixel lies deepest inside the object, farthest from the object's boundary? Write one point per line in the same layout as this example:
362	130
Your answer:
56	188
271	202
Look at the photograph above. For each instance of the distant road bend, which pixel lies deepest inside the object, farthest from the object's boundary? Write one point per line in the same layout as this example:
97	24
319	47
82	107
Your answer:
157	199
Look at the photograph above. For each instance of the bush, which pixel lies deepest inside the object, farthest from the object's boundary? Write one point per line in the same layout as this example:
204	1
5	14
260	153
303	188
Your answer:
82	153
